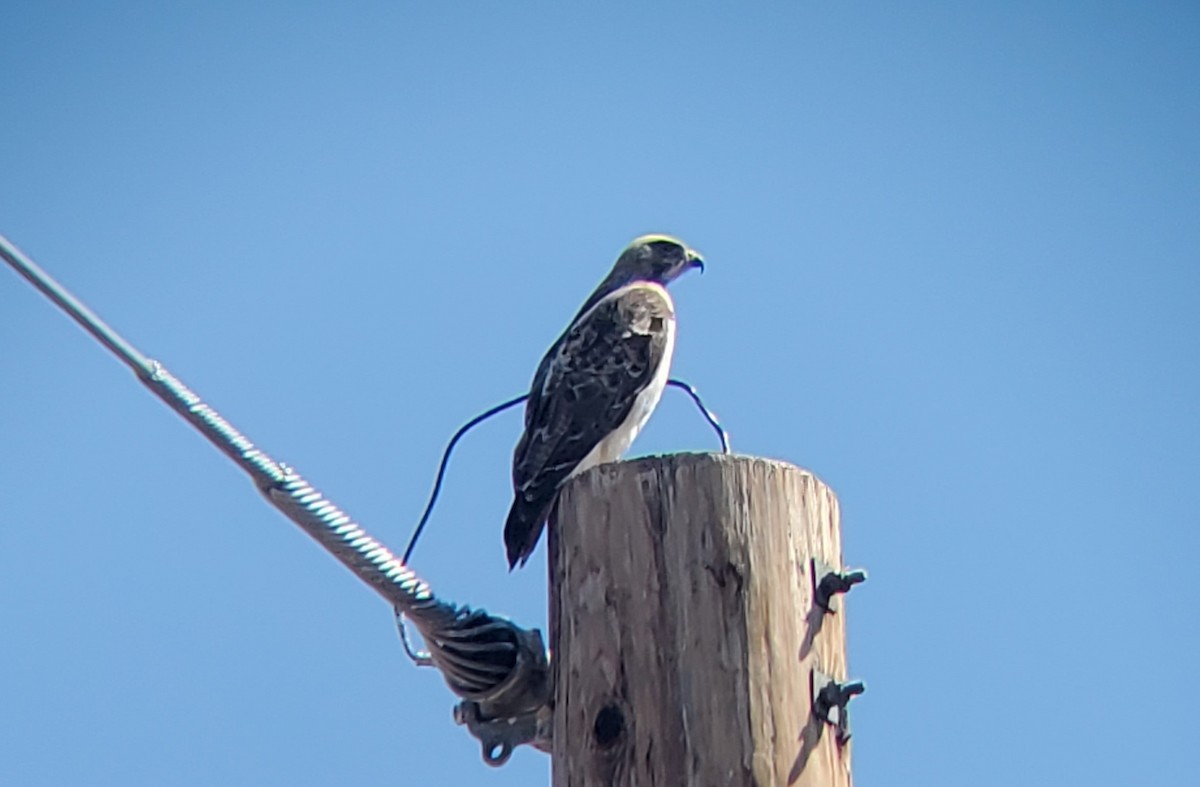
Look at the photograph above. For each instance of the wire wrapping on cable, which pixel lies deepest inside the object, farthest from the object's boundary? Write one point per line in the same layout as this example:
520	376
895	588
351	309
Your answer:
475	651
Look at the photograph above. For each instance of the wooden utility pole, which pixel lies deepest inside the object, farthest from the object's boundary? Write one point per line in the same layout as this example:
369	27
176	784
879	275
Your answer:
684	629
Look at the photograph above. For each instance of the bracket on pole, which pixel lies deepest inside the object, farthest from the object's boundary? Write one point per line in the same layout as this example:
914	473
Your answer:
830	700
828	583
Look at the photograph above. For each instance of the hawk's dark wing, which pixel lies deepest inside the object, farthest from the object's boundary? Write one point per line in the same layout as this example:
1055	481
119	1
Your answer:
585	388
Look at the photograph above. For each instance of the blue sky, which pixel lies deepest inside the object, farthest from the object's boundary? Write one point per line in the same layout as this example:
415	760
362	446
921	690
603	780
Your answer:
952	269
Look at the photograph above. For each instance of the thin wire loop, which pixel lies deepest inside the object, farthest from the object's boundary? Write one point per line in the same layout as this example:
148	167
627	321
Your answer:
709	415
441	471
425	659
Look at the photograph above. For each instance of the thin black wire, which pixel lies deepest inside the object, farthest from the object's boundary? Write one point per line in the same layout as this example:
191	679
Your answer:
423	659
709	415
441	473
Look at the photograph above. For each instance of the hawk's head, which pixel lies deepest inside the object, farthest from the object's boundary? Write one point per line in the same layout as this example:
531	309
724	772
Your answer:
656	258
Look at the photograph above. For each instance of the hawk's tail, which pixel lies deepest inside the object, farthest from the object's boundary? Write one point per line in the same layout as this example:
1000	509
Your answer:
523	529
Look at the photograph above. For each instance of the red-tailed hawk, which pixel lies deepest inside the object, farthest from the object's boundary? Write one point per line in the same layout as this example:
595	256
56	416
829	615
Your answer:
597	385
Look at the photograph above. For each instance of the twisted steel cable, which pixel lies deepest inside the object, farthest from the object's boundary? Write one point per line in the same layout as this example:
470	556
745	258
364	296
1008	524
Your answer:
499	669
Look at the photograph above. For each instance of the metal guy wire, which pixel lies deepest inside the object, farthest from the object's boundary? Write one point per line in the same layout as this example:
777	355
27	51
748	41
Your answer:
499	669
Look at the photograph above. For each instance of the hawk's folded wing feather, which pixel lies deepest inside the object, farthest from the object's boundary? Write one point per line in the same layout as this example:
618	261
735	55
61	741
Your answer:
586	388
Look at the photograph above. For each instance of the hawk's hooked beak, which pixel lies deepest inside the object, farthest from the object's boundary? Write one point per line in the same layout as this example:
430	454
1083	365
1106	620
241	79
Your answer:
694	260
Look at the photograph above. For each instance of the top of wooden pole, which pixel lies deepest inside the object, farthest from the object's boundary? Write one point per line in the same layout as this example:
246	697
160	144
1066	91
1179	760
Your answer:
684	627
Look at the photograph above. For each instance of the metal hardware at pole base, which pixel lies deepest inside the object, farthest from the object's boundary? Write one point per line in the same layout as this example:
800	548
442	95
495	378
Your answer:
517	711
500	736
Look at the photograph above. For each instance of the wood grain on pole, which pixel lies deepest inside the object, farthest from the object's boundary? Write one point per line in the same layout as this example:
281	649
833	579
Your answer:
683	627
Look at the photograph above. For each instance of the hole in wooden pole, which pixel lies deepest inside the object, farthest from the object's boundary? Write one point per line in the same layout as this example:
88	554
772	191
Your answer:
610	723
